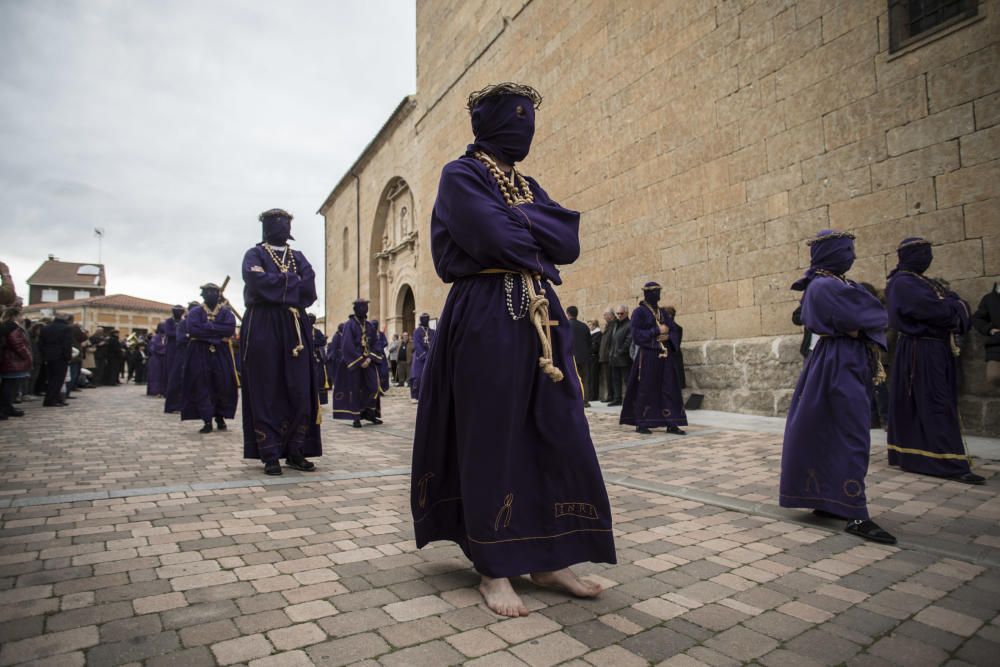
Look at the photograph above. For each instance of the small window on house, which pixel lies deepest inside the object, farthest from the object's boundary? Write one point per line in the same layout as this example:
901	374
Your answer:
345	258
912	20
81	294
50	295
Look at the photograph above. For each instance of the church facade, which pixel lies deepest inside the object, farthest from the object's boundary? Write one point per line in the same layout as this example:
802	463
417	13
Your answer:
703	141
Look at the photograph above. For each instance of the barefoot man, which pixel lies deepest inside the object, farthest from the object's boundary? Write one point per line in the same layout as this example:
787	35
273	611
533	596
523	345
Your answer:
503	463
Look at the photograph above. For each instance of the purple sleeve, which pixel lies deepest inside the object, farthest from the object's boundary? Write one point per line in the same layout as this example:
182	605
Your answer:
376	343
269	285
554	228
307	284
351	350
644	329
917	301
832	307
421	341
482	225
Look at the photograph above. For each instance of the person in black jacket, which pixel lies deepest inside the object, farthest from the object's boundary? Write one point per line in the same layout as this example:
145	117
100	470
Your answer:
594	386
56	344
581	350
986	321
681	375
619	354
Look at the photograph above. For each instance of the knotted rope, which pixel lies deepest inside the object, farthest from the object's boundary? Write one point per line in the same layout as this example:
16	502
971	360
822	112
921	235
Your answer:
298	331
538	307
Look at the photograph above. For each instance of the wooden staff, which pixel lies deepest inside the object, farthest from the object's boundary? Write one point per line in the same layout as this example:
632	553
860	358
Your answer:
222	291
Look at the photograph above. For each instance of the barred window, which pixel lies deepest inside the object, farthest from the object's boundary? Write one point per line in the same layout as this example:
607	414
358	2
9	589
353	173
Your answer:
912	20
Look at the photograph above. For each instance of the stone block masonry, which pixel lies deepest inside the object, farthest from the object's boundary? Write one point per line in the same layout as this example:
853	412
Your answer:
703	142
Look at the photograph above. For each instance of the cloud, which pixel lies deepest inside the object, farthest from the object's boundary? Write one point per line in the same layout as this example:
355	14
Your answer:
172	125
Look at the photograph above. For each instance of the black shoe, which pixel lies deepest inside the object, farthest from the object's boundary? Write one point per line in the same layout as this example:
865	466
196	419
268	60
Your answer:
970	478
3	417
73	398
374	420
357	423
643	430
207	428
614	403
220	424
272	468
300	463
14	412
869	530
675	430
823	514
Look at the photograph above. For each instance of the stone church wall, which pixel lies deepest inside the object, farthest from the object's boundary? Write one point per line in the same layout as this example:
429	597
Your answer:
704	141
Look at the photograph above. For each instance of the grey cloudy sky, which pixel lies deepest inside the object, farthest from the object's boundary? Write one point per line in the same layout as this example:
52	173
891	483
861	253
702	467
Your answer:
172	124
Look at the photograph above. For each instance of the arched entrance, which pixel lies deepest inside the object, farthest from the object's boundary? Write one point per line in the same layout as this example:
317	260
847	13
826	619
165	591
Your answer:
394	249
406	309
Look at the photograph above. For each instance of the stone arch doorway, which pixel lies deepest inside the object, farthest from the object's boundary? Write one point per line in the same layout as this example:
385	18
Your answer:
393	246
406	310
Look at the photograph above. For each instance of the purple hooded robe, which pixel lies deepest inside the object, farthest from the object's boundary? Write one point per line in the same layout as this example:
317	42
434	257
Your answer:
333	354
357	389
172	389
925	435
323	380
653	394
423	339
210	380
503	463
827	443
280	398
156	380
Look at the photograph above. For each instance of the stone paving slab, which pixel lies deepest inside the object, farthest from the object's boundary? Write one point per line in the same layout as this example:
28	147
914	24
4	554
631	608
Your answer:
210	565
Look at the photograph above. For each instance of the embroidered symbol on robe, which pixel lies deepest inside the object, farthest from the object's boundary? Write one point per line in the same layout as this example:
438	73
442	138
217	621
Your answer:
582	510
665	412
812	482
422	485
853	488
261	435
505	512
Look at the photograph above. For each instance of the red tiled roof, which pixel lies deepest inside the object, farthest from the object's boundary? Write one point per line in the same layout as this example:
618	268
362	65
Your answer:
118	301
54	272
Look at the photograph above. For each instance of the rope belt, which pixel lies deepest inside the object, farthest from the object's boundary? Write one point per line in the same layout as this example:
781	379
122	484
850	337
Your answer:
538	309
298	331
874	357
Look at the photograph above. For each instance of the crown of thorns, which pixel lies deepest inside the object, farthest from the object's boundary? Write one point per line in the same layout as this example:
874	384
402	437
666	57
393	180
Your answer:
505	88
832	235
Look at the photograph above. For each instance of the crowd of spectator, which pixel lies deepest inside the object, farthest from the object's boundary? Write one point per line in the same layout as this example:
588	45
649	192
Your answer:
604	355
55	356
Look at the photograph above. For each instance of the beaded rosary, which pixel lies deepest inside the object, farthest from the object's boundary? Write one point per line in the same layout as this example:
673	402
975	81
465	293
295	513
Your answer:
515	190
287	260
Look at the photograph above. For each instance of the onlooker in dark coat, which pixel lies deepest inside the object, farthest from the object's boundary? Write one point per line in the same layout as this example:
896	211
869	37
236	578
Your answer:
596	336
56	343
581	349
986	320
604	354
619	354
681	375
15	361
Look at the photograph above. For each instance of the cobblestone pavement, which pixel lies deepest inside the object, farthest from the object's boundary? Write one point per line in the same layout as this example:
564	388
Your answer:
127	538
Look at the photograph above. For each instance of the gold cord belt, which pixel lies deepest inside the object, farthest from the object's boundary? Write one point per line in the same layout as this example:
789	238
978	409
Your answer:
538	307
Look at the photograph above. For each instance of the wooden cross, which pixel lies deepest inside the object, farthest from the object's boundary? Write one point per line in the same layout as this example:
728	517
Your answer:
548	329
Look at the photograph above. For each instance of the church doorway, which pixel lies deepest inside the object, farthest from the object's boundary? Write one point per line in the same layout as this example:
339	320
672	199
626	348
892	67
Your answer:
406	309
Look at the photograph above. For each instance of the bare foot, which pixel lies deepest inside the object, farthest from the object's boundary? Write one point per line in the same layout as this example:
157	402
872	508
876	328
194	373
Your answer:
565	580
501	598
